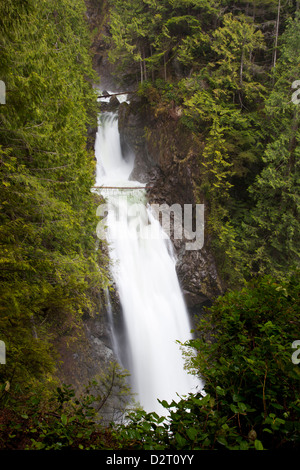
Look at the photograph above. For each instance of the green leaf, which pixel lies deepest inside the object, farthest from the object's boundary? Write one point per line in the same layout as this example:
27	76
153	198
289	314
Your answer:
234	408
244	445
222	440
268	430
64	419
192	433
277	406
164	403
258	445
242	406
180	440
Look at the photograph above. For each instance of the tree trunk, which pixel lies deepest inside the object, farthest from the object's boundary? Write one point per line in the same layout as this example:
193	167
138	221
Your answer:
293	144
141	70
152	68
276	34
254	11
241	68
145	68
165	68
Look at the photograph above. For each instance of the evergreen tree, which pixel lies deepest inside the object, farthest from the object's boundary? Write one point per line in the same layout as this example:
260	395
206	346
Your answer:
50	271
272	234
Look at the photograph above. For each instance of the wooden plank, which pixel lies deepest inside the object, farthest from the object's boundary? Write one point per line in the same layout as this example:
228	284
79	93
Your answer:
116	94
121	187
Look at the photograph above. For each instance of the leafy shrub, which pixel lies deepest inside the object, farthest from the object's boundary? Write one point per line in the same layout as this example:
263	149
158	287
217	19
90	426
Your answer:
57	419
251	393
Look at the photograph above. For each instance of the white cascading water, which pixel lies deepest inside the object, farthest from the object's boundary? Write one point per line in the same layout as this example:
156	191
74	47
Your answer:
143	268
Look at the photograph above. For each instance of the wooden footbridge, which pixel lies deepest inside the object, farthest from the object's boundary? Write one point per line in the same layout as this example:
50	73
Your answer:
121	187
105	94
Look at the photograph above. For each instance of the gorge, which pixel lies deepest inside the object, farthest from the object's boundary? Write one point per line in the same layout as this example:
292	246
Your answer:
143	269
107	320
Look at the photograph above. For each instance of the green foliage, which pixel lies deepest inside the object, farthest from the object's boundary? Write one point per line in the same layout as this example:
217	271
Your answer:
245	345
216	62
194	423
234	44
50	271
244	356
57	419
149	35
271	235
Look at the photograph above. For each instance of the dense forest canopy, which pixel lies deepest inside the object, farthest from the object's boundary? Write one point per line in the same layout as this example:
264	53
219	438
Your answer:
230	66
232	69
49	266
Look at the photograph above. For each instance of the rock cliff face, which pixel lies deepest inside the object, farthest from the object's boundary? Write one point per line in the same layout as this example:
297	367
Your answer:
86	356
166	159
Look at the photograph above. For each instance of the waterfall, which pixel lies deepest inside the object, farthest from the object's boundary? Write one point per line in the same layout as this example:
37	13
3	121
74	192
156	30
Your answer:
113	337
143	268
